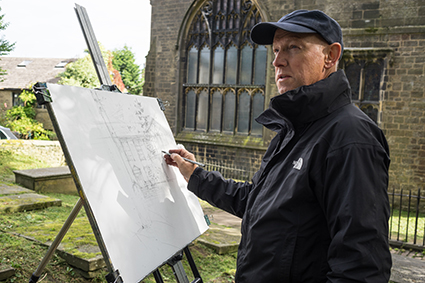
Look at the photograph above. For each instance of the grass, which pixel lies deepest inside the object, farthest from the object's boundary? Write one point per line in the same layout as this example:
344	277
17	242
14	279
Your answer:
25	255
10	161
44	225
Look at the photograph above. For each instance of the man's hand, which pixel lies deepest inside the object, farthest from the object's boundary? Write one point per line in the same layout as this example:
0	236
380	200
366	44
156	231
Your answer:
175	159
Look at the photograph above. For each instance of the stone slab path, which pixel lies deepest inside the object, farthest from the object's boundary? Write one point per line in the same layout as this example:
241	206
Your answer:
14	198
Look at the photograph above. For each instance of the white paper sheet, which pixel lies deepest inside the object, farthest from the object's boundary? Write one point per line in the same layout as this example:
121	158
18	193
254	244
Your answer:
144	212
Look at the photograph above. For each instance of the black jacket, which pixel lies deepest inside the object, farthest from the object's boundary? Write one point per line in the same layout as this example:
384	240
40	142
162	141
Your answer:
317	210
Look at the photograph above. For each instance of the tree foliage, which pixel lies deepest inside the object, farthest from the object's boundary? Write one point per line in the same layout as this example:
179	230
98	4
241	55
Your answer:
123	60
124	72
5	46
21	119
82	72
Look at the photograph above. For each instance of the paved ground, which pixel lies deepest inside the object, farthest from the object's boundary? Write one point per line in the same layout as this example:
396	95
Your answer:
407	269
14	198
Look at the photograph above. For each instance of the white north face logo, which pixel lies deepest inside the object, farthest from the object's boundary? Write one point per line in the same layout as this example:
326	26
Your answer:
298	163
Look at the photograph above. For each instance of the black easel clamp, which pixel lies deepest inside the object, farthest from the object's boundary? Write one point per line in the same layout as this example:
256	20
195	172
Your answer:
161	104
34	278
42	93
114	277
112	88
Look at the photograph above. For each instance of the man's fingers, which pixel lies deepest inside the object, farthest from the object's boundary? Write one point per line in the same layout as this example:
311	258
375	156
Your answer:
177	158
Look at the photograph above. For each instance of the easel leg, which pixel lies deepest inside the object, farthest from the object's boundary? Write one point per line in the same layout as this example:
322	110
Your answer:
179	272
157	276
36	275
192	265
176	264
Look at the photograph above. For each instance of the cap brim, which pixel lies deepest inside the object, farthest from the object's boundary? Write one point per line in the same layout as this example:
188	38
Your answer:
263	33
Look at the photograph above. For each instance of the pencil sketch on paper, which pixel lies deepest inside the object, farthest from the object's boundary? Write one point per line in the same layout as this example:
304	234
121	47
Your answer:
138	144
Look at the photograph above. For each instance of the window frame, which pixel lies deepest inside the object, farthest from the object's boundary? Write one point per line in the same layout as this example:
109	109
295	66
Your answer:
365	57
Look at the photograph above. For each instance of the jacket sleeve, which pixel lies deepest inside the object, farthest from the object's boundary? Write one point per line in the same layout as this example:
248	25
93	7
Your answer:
228	195
355	202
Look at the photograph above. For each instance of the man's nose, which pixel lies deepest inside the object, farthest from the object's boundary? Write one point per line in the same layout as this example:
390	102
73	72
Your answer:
280	61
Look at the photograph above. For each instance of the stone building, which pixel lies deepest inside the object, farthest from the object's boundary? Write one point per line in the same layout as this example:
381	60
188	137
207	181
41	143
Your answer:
214	80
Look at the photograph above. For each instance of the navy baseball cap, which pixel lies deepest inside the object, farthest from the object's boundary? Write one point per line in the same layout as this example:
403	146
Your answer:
300	21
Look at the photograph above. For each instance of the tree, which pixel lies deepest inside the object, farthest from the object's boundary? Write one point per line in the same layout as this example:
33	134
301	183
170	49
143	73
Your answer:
82	72
5	46
123	60
124	72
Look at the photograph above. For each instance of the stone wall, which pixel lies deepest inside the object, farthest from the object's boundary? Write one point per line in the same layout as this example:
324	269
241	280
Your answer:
398	27
161	78
222	159
47	151
43	117
6	97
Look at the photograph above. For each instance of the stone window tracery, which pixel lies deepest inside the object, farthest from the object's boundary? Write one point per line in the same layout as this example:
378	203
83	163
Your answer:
225	70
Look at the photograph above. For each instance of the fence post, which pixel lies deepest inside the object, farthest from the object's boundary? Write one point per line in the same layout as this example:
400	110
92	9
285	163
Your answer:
408	216
417	214
392	213
399	215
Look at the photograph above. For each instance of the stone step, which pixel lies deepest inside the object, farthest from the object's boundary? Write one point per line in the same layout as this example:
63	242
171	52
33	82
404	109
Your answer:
223	235
11	189
26	202
222	240
47	180
87	267
6	271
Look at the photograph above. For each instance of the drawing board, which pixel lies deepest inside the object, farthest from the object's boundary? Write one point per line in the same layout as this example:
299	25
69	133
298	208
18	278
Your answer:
143	209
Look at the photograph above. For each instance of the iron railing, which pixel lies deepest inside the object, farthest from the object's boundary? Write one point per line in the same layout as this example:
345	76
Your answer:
407	219
229	171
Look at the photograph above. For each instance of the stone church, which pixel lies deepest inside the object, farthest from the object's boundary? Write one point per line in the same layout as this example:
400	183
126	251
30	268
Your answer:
214	80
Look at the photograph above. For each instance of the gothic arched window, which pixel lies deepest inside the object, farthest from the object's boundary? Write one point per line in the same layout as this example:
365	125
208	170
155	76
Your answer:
226	71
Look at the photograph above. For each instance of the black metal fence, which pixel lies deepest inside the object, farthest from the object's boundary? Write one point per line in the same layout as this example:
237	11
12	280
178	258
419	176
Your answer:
230	171
407	219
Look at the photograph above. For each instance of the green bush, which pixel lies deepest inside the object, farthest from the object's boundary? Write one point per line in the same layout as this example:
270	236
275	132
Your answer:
21	119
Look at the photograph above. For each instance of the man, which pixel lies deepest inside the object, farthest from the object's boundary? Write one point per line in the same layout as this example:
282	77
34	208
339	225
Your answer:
317	210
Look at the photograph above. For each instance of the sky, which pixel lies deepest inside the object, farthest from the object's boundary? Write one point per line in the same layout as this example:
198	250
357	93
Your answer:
50	28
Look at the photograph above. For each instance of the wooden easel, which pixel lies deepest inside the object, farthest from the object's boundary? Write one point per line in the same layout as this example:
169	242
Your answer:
43	98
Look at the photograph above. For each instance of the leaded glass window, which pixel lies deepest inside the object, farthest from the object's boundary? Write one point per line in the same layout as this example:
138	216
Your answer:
192	65
231	65
229	111
218	67
246	65
190	109
202	111
243	112
216	109
226	71
365	72
257	108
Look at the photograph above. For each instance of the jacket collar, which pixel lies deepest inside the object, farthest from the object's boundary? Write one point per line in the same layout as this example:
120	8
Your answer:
307	103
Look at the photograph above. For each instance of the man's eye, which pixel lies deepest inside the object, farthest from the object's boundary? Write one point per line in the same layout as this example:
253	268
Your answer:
293	47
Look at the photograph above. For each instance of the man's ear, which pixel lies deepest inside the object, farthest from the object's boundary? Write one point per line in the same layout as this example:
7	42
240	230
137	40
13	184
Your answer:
333	52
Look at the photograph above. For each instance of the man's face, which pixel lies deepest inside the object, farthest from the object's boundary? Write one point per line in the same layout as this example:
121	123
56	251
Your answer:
299	59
